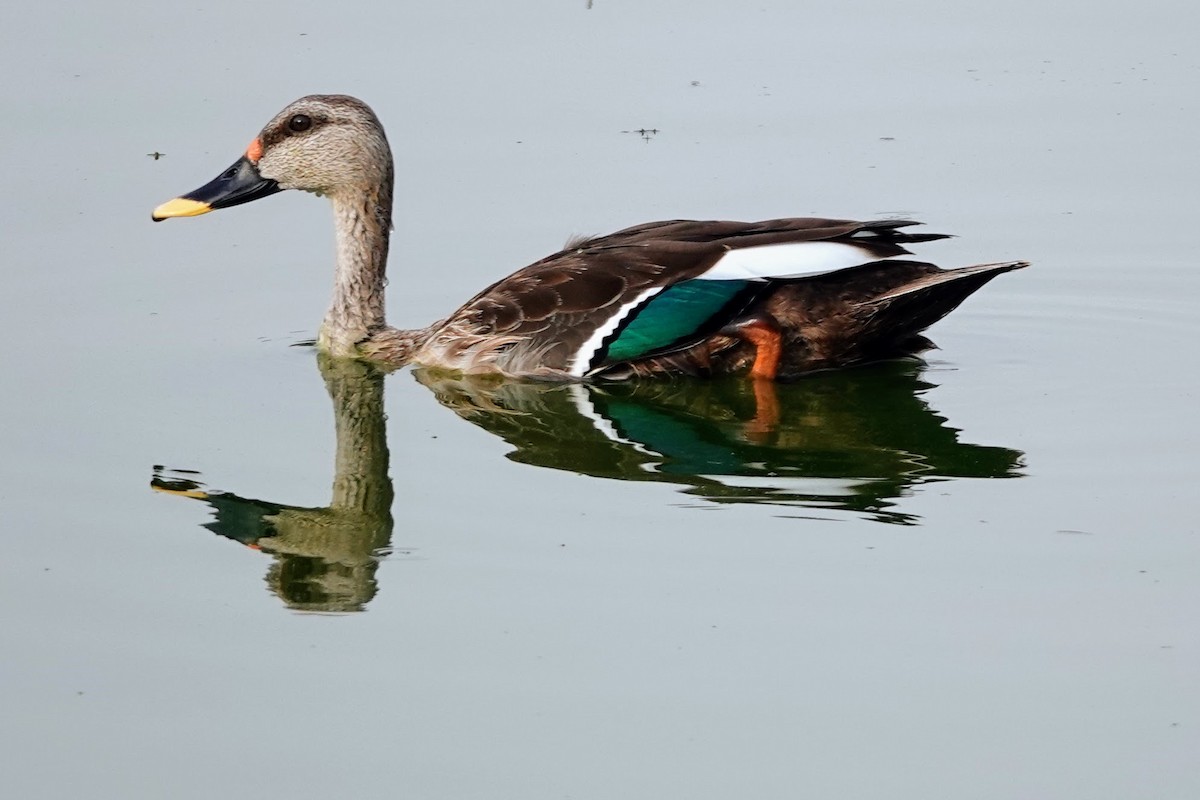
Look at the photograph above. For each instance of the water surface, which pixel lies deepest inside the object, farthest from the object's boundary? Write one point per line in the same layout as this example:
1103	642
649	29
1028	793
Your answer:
968	576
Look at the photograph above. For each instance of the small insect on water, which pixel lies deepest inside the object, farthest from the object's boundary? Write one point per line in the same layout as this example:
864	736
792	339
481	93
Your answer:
646	133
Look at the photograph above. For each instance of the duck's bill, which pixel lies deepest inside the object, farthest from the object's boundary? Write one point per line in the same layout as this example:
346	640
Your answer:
239	184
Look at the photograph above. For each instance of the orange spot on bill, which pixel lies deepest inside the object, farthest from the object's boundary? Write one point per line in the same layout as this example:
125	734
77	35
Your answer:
254	151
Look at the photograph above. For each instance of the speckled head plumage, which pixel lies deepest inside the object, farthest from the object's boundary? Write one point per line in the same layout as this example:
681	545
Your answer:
330	144
324	143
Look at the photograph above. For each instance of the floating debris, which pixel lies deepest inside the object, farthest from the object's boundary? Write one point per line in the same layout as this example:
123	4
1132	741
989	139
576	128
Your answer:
646	133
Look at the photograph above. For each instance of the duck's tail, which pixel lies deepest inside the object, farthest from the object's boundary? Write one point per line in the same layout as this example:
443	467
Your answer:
873	312
909	308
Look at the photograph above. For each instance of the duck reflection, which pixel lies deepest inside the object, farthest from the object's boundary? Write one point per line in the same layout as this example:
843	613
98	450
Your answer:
855	440
323	559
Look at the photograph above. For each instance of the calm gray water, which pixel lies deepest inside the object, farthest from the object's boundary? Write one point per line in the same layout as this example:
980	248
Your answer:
973	577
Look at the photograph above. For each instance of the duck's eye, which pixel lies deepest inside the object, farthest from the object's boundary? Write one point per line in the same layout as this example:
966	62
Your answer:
299	123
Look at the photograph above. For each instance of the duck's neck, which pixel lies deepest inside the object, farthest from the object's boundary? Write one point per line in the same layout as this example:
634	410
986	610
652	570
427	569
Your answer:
363	219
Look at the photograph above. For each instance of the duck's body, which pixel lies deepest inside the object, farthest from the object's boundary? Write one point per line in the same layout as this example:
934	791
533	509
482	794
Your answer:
639	302
774	298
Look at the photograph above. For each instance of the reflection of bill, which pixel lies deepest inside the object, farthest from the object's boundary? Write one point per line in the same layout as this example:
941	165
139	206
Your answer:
324	559
854	440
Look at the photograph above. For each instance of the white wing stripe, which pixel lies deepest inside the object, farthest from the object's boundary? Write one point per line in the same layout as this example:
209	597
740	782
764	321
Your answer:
583	403
583	357
792	260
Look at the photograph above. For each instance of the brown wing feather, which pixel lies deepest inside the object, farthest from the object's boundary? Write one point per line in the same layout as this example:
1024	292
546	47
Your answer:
536	319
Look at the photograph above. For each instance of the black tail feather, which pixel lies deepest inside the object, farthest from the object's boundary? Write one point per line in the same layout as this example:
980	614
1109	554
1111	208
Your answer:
906	310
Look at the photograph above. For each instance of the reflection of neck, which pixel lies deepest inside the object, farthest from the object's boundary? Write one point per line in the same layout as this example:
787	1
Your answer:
360	482
326	558
363	221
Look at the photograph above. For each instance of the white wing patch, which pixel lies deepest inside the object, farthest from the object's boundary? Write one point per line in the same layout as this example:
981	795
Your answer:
791	260
582	399
579	364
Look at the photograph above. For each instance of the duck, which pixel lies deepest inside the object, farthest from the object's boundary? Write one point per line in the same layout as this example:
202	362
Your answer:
770	300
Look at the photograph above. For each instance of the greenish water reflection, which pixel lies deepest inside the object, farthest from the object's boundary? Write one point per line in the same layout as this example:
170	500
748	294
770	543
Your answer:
854	440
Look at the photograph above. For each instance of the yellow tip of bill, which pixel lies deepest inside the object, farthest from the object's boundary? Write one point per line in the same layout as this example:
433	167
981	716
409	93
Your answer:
195	494
180	207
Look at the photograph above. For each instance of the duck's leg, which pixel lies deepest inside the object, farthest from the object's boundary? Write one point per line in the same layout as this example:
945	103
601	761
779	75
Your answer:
766	413
764	333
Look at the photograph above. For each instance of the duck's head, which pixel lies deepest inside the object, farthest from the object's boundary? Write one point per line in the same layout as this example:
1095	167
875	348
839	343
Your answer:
328	144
